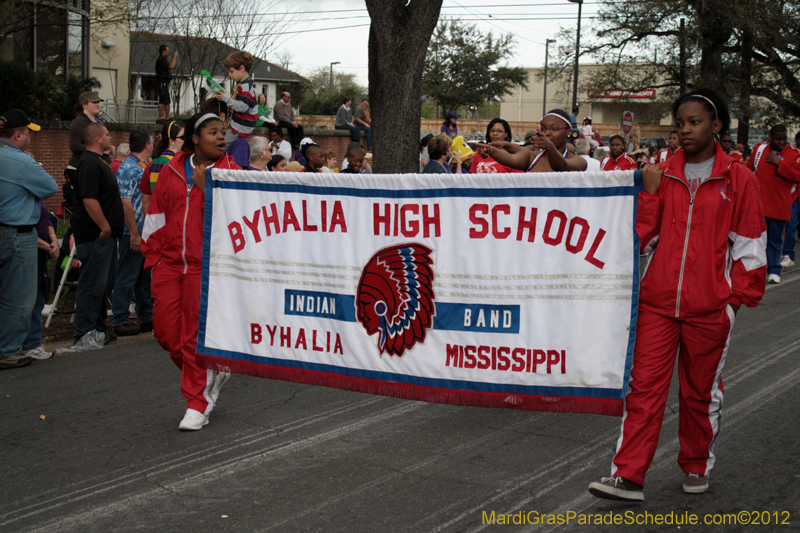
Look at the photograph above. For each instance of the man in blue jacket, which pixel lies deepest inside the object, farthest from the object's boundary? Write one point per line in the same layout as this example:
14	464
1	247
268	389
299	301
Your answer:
22	182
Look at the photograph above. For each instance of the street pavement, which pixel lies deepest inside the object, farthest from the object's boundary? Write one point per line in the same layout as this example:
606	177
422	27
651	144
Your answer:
90	442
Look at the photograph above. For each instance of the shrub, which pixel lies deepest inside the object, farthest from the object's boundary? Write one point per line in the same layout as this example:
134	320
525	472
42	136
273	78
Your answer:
39	94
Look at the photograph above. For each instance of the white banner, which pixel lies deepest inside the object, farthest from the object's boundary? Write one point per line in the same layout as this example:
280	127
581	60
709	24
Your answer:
514	290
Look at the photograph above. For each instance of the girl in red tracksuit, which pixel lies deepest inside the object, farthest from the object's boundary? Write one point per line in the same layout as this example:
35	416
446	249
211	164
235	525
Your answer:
700	213
172	242
618	160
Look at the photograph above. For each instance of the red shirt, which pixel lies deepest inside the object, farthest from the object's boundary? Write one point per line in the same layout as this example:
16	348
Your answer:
737	157
481	165
778	183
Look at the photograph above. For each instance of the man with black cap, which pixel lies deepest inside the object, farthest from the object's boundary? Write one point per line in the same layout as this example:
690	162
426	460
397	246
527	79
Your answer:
22	181
529	136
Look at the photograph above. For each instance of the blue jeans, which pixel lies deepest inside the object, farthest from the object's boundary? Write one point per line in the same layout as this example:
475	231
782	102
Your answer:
34	338
774	245
17	287
98	273
131	278
369	134
791	230
355	133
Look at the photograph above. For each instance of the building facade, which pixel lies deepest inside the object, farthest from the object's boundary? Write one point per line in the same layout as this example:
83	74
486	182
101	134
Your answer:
528	105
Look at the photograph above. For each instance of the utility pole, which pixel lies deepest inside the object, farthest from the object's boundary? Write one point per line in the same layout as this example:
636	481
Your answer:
577	54
546	56
332	64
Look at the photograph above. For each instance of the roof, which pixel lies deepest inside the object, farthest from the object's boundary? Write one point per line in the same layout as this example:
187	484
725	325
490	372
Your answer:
205	53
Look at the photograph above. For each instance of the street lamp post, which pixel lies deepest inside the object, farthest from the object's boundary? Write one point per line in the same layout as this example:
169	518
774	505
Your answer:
577	53
546	56
332	64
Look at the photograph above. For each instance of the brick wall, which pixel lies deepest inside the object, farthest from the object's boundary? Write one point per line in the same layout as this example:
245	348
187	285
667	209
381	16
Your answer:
50	146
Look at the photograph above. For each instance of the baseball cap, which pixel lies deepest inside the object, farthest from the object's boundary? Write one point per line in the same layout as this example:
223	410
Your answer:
305	141
89	96
425	140
15	118
529	134
452	114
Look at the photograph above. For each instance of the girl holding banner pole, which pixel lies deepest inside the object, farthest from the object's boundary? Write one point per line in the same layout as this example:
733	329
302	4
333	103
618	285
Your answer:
172	243
551	140
700	214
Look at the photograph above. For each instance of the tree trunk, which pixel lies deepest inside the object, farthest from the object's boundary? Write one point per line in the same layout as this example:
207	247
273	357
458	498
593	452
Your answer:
715	30
398	42
745	84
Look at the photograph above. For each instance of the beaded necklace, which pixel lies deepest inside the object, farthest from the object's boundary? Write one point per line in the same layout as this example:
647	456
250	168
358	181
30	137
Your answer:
7	144
96	120
540	155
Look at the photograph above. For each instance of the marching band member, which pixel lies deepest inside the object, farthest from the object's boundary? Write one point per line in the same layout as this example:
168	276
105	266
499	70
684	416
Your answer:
172	243
700	214
551	142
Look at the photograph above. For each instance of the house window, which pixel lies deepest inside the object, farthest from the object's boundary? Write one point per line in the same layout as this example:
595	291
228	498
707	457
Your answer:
51	37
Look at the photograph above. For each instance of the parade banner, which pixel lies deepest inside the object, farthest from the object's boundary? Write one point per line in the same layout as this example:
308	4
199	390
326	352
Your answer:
495	290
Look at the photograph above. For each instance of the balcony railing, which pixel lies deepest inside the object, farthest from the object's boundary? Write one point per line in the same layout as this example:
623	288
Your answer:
136	111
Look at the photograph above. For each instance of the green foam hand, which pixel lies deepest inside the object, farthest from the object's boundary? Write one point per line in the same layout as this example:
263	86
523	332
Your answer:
213	85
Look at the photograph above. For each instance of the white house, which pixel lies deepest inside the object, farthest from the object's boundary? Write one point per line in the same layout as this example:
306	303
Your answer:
188	89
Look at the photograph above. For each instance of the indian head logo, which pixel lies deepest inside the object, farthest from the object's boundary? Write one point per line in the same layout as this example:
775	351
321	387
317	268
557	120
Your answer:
395	297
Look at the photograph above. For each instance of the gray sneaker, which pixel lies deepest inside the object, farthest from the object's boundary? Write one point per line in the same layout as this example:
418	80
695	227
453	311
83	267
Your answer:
38	353
695	484
617	488
15	361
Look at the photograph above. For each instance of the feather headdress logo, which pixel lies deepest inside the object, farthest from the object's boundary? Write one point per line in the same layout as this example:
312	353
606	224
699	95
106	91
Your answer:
395	297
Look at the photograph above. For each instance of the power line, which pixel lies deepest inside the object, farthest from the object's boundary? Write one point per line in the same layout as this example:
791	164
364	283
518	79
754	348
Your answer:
477	17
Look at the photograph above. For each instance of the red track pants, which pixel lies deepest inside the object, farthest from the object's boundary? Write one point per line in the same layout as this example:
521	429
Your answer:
703	343
176	309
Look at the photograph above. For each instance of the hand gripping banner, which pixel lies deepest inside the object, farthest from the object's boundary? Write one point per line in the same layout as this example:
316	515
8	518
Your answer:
501	290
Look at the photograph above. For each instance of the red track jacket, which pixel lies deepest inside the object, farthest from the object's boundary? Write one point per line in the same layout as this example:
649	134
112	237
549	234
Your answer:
173	228
710	247
665	154
623	162
778	184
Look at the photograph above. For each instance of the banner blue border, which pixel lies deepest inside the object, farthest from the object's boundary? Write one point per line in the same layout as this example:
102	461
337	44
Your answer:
544	192
577	392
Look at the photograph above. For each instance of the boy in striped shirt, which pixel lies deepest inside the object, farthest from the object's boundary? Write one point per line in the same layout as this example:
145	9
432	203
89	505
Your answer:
242	100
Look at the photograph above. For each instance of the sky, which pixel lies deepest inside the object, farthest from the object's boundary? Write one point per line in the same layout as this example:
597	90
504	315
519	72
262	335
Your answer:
338	30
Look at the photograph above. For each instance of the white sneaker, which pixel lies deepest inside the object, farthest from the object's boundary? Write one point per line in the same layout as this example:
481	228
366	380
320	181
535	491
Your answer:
220	380
38	353
786	261
193	420
773	279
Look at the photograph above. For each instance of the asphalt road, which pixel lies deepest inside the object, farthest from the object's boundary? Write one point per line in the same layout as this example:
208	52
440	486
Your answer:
283	457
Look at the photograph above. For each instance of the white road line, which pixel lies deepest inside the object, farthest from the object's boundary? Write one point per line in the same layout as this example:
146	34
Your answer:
184	459
760	362
228	467
405	471
665	456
